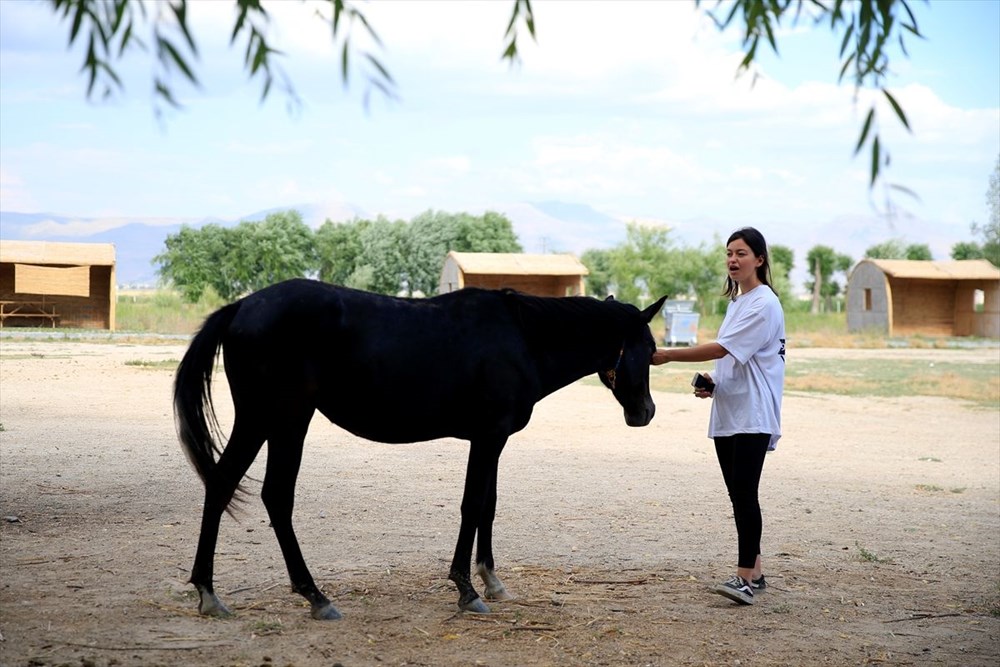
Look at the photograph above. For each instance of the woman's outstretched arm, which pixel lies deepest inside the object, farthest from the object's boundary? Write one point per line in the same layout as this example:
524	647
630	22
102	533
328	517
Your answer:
704	352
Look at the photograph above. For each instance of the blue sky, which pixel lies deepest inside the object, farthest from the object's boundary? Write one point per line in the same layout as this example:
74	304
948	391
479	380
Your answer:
632	108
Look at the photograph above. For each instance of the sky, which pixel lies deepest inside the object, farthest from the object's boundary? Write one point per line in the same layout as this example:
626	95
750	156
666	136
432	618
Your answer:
631	108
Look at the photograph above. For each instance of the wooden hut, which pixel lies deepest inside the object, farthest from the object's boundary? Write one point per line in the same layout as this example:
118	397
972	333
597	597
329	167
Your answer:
57	284
542	275
903	297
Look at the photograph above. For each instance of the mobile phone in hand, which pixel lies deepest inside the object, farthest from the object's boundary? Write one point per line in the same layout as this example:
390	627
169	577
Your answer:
699	381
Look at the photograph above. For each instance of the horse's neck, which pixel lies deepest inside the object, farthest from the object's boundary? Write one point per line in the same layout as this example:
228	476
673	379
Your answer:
570	338
564	363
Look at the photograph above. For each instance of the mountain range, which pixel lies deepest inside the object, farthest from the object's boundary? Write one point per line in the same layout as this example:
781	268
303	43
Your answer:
541	227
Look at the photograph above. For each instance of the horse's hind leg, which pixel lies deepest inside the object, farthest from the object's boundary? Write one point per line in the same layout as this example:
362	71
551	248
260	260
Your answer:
244	444
284	456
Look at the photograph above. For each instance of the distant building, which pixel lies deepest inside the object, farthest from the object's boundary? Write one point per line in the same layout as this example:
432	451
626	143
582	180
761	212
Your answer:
904	297
542	275
57	284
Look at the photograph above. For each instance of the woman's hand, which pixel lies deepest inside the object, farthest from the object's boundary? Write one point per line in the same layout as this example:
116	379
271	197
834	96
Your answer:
660	356
701	393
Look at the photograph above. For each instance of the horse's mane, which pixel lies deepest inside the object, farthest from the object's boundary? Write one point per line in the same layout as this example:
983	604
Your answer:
541	315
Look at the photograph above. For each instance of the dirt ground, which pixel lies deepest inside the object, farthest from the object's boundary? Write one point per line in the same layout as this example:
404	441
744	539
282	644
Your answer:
882	533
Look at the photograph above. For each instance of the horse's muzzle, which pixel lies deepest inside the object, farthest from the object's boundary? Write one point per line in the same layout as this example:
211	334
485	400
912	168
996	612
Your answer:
641	417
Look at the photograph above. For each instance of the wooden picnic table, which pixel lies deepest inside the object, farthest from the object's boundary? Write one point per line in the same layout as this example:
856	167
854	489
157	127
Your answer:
29	309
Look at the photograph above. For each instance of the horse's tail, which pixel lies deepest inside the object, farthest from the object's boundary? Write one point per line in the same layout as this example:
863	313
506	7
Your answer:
197	425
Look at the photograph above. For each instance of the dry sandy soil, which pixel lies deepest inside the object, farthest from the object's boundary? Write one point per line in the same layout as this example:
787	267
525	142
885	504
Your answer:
882	534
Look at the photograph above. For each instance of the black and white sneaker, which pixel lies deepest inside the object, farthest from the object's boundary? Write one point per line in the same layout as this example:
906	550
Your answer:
736	588
758	584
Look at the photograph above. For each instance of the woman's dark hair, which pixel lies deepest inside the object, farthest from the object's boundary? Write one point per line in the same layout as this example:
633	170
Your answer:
758	246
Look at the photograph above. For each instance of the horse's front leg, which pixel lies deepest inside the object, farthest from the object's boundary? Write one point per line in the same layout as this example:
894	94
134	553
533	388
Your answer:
481	468
485	566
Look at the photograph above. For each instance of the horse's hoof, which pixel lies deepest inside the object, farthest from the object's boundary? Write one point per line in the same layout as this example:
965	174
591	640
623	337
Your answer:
211	605
495	590
498	594
216	612
326	612
476	606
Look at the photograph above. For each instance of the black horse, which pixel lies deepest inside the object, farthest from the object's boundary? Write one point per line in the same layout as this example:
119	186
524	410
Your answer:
471	364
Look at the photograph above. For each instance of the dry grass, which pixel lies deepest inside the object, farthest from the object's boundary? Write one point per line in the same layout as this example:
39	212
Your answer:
973	376
951	385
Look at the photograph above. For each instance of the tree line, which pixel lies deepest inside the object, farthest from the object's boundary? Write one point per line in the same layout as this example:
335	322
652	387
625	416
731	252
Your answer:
380	255
400	257
405	258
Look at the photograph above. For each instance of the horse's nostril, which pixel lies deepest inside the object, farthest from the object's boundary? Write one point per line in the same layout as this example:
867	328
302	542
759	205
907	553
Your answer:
640	418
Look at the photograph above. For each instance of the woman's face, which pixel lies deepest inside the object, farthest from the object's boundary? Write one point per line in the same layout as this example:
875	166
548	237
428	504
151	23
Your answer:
742	263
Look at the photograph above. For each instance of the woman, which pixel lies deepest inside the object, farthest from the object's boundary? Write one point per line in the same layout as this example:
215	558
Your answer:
749	379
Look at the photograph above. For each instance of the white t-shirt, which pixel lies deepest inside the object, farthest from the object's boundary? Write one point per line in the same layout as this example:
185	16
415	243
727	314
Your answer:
750	380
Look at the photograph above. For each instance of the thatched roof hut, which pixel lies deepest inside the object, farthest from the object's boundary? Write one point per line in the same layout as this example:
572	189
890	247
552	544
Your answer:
57	284
941	298
542	275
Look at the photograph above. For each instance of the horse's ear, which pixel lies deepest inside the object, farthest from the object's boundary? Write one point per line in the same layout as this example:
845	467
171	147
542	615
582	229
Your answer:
651	311
610	297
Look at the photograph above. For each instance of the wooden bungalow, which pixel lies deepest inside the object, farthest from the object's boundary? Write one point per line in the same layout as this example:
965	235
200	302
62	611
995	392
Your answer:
542	275
57	284
939	298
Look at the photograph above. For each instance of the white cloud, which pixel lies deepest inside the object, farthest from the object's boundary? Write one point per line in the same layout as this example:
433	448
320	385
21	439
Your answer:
88	226
456	164
14	195
268	148
411	191
443	34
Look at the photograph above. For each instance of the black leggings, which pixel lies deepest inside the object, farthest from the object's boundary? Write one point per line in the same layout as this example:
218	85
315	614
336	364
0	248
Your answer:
741	458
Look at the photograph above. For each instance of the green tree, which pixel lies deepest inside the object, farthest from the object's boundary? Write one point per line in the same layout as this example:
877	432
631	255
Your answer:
897	248
410	257
599	277
966	250
782	260
192	260
266	252
702	269
825	263
114	29
237	260
338	246
894	248
433	234
362	277
383	262
782	285
919	251
490	232
642	266
649	263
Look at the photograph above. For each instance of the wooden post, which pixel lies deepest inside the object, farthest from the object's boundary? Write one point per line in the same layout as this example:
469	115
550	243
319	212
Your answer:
817	281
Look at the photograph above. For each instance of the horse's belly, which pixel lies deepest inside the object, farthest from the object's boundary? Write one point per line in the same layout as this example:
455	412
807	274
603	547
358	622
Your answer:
398	424
417	418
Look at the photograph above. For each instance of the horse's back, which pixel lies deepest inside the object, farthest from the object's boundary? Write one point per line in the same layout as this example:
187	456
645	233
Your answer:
385	368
